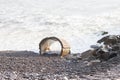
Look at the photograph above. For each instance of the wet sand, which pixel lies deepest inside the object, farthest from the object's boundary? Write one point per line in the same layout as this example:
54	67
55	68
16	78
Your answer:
28	65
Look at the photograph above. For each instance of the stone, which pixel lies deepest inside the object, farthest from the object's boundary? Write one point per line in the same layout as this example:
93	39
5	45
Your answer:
109	49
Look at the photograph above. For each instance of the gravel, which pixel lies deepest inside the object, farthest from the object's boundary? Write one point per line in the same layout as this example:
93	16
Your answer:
27	65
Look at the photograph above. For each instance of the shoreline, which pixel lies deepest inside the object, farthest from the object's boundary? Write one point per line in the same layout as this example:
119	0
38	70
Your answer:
24	65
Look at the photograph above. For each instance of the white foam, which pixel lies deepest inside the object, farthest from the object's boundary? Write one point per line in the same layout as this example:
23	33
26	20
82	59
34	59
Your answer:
24	23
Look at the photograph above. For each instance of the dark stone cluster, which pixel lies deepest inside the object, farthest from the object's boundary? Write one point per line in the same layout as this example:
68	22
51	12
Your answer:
110	47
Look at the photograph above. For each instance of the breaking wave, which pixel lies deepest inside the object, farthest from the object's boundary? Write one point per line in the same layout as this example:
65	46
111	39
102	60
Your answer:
23	24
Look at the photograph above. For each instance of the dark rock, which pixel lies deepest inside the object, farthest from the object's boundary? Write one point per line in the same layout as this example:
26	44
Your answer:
109	40
104	32
109	49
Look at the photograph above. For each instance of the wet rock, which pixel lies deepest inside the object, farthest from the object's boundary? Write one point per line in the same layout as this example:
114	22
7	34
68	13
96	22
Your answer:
104	32
109	40
87	54
109	49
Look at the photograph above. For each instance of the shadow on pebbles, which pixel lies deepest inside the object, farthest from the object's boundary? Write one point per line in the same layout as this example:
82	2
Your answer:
27	65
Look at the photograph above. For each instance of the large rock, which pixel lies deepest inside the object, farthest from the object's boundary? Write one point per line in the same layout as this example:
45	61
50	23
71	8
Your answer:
110	40
110	47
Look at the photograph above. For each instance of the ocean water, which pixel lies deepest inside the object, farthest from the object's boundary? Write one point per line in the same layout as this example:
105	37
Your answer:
24	23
